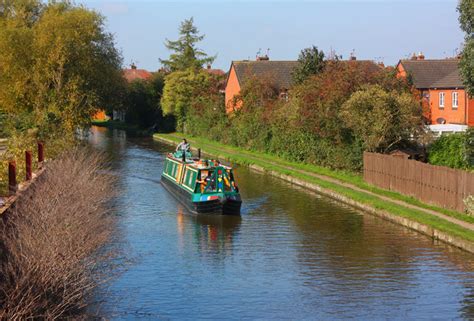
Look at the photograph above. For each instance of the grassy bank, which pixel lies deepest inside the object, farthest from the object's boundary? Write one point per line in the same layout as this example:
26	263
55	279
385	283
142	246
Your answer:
335	181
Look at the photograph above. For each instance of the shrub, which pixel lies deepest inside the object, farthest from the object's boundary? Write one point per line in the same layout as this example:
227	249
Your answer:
53	240
452	151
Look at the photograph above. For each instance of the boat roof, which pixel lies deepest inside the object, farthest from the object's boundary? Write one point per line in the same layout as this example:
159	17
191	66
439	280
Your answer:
196	163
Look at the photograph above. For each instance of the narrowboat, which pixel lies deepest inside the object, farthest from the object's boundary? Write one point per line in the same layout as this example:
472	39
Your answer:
203	186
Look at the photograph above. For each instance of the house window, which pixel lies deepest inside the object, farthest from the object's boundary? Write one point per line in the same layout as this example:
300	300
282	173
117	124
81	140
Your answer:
441	100
455	100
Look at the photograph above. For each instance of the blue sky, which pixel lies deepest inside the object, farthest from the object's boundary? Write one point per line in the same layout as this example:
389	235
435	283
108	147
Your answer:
235	30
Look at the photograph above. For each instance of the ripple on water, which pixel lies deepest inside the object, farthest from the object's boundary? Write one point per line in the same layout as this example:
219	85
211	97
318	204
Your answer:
292	255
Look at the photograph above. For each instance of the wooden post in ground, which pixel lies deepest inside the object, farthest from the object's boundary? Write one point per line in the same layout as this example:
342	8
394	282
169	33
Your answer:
12	184
40	154
28	163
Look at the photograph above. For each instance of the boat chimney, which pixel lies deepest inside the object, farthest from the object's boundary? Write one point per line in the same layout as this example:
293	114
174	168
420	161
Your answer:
199	153
184	156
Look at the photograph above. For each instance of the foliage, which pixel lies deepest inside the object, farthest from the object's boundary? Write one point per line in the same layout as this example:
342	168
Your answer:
466	19
185	53
310	127
181	88
310	62
381	119
57	66
453	150
143	97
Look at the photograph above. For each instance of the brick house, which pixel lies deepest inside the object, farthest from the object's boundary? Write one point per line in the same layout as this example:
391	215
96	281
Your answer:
442	90
279	72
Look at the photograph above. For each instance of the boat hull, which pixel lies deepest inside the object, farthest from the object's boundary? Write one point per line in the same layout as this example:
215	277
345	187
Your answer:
215	206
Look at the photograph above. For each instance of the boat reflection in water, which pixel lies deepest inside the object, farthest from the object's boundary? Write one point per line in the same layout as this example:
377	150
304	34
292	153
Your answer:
212	234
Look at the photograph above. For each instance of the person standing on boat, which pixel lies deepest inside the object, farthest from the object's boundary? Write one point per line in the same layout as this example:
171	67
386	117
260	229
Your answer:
183	146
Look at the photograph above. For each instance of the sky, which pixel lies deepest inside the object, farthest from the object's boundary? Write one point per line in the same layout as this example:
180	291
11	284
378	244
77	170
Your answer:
381	30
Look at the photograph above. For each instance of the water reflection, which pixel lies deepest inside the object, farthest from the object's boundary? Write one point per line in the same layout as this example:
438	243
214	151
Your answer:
213	234
292	255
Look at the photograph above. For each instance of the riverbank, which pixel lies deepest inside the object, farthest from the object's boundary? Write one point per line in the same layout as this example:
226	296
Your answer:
445	225
115	124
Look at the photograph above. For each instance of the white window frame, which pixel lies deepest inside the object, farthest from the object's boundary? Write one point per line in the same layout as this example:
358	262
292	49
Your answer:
441	99
455	101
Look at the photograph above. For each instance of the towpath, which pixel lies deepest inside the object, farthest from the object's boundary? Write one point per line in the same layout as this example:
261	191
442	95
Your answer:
282	165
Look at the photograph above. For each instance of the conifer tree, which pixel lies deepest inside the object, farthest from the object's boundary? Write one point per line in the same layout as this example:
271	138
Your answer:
185	53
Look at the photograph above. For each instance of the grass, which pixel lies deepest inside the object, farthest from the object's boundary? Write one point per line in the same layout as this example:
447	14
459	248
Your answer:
273	163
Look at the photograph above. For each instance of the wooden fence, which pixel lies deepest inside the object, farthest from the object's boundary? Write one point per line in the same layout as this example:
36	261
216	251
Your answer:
438	185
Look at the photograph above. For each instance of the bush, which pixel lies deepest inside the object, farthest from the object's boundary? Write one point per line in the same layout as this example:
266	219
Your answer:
53	240
452	150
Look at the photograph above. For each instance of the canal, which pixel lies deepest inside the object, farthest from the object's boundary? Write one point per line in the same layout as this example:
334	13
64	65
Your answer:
292	254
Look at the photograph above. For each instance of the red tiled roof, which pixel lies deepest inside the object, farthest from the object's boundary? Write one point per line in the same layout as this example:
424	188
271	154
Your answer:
134	74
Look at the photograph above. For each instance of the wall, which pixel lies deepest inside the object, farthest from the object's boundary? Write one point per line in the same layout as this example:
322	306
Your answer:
232	88
470	112
452	116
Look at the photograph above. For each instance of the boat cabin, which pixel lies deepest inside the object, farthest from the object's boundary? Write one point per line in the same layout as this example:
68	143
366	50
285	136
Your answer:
200	176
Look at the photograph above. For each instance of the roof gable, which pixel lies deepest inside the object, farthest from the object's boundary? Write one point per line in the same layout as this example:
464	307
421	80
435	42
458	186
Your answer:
440	73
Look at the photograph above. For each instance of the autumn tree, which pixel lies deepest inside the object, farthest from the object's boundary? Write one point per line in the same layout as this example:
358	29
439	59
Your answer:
466	19
57	66
185	52
381	118
310	62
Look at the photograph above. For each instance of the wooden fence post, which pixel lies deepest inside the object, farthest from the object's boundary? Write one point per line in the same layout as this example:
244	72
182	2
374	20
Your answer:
40	154
28	165
12	184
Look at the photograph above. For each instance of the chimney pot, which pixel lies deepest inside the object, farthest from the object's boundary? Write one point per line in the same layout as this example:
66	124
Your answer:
262	58
133	66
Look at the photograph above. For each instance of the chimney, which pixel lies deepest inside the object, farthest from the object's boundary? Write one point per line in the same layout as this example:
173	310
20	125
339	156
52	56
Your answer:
263	58
133	66
352	58
381	64
413	57
420	56
208	66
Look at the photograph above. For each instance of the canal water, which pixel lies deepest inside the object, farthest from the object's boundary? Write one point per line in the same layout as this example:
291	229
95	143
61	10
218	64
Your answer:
293	255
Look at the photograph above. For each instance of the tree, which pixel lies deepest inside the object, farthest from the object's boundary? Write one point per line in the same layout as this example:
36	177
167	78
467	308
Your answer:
310	62
380	118
186	54
466	19
181	88
57	66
